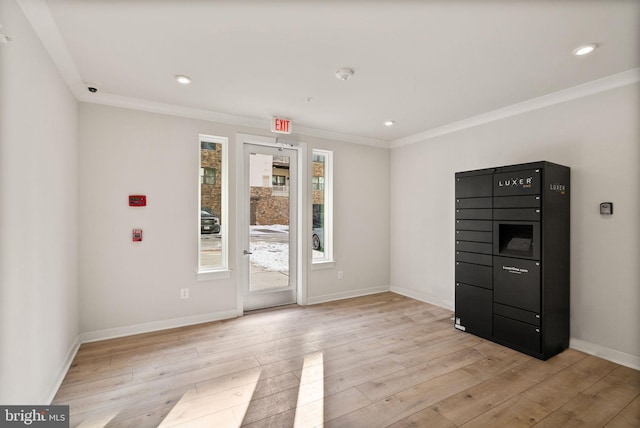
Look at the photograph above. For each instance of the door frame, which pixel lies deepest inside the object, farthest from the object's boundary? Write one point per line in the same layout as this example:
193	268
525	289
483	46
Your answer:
303	241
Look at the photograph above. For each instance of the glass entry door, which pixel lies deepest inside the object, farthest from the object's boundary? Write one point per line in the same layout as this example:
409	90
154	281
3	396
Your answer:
270	253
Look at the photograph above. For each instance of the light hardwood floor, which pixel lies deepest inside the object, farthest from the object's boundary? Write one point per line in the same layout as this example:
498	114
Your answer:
374	361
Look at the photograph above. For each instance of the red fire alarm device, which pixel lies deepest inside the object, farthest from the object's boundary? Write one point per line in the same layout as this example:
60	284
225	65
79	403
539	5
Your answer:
136	235
137	200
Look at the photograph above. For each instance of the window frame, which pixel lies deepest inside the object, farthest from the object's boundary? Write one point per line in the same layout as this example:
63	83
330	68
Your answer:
327	261
221	270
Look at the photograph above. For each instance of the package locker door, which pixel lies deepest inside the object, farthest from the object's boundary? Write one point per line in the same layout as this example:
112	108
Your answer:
473	309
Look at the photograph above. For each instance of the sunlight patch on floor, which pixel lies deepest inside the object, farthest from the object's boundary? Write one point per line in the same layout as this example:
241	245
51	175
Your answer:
99	421
211	405
310	407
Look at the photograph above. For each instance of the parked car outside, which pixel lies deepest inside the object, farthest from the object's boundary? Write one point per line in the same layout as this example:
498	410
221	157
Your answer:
209	222
317	238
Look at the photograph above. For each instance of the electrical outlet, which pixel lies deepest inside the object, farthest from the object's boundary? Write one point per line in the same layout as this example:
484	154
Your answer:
340	274
184	293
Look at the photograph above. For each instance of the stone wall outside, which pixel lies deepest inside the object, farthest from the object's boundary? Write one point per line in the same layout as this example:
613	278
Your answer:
211	194
268	209
317	196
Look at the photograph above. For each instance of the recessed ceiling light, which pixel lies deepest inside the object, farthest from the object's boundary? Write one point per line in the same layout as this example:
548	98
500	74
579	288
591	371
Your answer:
389	123
585	49
185	80
309	99
344	73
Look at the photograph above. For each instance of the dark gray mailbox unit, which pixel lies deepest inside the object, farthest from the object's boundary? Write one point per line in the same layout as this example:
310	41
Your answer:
512	256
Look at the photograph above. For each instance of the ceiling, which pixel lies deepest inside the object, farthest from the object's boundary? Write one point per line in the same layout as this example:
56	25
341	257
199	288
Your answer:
422	64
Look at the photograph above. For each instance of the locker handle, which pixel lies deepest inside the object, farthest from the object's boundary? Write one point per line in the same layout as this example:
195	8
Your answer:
537	330
538	316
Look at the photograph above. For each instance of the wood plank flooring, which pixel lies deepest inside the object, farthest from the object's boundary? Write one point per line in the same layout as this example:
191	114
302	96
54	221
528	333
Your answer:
376	361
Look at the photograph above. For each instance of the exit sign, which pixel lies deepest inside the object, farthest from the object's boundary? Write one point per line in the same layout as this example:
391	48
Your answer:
281	126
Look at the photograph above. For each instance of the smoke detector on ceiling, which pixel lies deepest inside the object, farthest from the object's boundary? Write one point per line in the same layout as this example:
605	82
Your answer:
344	73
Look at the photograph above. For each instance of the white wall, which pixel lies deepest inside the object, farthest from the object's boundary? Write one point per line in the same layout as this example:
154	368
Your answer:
599	138
361	224
124	152
128	287
261	168
38	217
396	207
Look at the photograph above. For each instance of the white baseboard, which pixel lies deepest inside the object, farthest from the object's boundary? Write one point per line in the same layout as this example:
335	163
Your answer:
64	368
609	354
112	333
622	358
423	297
346	295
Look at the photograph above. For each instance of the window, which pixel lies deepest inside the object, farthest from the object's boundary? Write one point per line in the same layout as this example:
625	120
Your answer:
212	191
279	180
322	200
207	145
208	175
317	183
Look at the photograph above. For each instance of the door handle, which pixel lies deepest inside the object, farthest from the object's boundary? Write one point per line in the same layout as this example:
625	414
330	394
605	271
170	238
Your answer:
246	253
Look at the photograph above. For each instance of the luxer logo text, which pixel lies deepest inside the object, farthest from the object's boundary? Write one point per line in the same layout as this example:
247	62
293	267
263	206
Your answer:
514	182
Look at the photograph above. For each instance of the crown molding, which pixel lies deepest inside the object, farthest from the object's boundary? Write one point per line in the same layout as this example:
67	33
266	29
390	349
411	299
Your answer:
586	89
224	118
38	14
113	100
590	88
